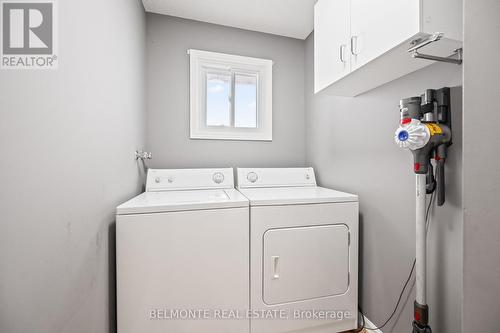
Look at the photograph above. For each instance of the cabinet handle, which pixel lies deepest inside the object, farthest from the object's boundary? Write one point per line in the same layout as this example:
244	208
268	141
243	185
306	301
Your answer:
353	39
342	50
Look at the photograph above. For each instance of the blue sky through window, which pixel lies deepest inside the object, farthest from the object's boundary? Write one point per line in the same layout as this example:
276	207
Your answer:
218	102
218	91
245	101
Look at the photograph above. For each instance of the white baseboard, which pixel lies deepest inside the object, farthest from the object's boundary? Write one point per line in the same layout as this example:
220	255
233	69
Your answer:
368	323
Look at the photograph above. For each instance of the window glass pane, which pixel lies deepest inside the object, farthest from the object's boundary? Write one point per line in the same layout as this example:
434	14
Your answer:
245	105
218	99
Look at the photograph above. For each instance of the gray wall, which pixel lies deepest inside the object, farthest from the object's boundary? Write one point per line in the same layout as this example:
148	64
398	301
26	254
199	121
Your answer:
350	143
67	139
481	166
168	39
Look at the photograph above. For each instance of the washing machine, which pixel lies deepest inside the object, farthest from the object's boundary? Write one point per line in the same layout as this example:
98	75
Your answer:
303	252
182	254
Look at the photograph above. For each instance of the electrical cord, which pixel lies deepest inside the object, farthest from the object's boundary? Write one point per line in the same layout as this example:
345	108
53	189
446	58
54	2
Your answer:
363	326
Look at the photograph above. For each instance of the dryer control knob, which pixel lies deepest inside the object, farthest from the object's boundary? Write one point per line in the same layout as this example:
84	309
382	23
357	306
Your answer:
157	180
252	177
218	177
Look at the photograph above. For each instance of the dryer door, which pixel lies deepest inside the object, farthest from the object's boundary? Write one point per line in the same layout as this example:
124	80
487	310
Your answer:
305	263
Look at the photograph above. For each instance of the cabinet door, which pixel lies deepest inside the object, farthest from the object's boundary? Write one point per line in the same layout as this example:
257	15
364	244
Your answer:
331	42
380	25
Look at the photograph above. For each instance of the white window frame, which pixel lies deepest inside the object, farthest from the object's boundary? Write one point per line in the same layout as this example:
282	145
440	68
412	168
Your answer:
262	68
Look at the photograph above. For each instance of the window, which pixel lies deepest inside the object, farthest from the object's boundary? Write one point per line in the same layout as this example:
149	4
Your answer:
230	97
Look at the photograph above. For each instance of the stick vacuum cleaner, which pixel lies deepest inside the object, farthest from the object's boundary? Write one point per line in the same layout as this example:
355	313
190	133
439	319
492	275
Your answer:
425	130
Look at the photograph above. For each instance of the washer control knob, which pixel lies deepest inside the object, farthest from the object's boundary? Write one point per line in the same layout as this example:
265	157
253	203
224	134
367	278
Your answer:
170	179
307	176
252	177
157	180
218	177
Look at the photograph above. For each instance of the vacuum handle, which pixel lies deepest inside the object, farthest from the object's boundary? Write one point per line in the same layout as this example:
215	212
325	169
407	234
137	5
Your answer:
440	190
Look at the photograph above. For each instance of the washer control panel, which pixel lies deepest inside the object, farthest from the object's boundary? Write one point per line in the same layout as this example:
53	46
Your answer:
185	179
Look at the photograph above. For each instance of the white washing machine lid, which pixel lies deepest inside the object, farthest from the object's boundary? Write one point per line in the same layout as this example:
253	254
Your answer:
183	200
295	195
170	190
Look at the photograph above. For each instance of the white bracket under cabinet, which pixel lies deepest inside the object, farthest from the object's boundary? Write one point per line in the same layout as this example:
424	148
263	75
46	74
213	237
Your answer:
362	44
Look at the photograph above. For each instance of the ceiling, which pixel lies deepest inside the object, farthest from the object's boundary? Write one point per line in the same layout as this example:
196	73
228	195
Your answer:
291	18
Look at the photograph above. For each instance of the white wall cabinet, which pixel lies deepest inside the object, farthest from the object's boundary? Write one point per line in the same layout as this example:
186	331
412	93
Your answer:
332	56
362	44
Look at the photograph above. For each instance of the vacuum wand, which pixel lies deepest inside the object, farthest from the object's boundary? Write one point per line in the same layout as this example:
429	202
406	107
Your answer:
421	247
425	130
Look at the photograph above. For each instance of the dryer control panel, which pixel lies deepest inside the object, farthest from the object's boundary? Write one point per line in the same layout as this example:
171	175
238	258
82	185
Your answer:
275	177
189	179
